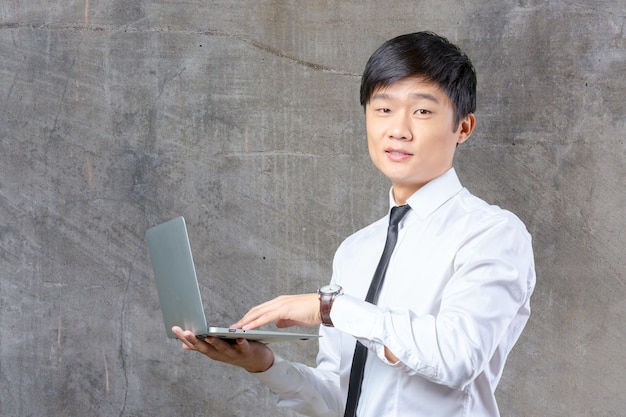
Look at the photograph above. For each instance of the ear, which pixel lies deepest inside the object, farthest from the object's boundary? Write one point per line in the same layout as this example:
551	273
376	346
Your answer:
466	127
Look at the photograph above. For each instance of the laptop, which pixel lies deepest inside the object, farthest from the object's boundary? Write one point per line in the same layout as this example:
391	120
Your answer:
179	293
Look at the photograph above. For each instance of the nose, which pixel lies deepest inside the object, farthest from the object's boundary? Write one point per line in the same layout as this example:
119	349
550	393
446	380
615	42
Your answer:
400	127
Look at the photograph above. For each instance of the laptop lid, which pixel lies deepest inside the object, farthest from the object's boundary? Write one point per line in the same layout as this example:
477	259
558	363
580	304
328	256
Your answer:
179	292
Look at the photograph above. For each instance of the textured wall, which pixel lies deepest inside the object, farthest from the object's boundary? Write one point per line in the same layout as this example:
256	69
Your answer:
243	116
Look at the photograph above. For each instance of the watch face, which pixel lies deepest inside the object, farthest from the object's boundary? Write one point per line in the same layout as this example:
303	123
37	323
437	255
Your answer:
330	289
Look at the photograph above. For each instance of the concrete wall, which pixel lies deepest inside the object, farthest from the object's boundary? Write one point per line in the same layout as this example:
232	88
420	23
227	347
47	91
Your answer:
243	116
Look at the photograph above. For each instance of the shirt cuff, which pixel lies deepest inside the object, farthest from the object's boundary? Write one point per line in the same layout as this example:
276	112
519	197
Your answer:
281	376
353	316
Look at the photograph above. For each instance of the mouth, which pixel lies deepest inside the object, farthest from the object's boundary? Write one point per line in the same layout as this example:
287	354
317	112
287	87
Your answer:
397	154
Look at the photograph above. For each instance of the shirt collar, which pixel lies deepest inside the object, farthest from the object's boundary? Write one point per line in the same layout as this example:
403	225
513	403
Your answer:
432	195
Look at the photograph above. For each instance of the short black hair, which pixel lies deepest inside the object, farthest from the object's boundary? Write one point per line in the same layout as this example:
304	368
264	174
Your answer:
426	55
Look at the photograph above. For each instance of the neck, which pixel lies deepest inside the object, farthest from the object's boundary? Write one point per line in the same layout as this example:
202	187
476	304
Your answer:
401	195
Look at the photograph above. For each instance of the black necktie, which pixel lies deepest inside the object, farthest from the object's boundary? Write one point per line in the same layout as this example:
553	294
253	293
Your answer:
360	352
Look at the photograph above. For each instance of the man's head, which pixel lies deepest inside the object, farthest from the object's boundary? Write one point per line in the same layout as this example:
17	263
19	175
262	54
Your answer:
427	56
418	92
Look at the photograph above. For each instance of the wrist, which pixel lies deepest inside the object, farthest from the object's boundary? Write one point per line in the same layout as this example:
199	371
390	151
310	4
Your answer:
327	295
264	364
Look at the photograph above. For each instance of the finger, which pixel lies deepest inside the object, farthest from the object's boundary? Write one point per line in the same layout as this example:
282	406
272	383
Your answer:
255	312
224	351
243	345
231	347
261	321
180	335
258	316
189	339
218	344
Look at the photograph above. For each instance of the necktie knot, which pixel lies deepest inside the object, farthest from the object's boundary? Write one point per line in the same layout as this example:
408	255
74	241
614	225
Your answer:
397	213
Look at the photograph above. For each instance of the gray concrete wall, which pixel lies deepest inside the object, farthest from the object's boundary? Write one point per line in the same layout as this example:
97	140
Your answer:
243	116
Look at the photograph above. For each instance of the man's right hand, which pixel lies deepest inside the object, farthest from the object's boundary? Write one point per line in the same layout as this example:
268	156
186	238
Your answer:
251	356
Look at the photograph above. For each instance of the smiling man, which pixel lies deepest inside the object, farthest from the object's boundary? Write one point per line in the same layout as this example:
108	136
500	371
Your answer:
412	133
426	330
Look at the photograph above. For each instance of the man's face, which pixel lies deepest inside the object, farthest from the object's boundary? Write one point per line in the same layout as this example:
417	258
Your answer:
410	133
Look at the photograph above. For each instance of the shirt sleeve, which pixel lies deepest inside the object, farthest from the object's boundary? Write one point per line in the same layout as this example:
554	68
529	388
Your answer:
484	307
309	391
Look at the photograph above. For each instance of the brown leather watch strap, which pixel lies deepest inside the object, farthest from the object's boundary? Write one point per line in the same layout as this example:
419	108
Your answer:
326	303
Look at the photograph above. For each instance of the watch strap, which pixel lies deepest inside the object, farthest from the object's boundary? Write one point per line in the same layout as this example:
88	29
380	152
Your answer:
326	303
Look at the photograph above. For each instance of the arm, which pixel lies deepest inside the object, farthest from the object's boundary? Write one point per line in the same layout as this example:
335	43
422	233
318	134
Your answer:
310	391
450	327
289	310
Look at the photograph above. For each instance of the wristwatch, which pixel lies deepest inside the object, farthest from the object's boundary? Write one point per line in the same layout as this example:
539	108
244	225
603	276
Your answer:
327	295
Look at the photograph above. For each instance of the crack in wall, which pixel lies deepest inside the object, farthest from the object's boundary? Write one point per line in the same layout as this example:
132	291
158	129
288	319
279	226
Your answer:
166	29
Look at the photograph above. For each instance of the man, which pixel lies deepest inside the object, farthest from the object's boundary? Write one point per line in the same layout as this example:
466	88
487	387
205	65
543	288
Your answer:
455	295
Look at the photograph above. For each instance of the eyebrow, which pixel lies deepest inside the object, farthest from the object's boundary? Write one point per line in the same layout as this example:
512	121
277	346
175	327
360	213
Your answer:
384	96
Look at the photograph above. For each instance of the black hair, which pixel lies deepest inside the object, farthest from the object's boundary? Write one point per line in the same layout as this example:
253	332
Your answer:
426	55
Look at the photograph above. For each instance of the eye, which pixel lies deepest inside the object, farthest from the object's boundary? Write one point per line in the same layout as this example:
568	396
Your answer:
422	112
383	110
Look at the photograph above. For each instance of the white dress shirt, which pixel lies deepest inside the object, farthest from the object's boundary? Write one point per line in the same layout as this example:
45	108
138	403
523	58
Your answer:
454	302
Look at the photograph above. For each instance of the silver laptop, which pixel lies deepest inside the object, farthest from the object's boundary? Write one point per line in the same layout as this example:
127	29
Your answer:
179	293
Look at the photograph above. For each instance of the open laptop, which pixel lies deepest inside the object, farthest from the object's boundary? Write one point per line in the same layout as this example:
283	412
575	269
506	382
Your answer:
179	293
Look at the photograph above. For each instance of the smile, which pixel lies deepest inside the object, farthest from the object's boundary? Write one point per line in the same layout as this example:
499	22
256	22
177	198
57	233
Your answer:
397	154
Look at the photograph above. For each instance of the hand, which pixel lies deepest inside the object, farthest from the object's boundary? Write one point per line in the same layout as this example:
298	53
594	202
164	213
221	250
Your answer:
285	311
251	356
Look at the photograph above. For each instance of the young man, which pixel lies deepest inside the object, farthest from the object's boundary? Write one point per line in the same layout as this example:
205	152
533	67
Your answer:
455	295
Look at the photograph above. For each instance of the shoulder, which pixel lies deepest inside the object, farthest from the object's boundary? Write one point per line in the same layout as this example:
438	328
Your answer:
475	216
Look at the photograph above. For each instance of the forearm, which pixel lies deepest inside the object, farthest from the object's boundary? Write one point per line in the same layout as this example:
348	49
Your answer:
309	391
450	349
